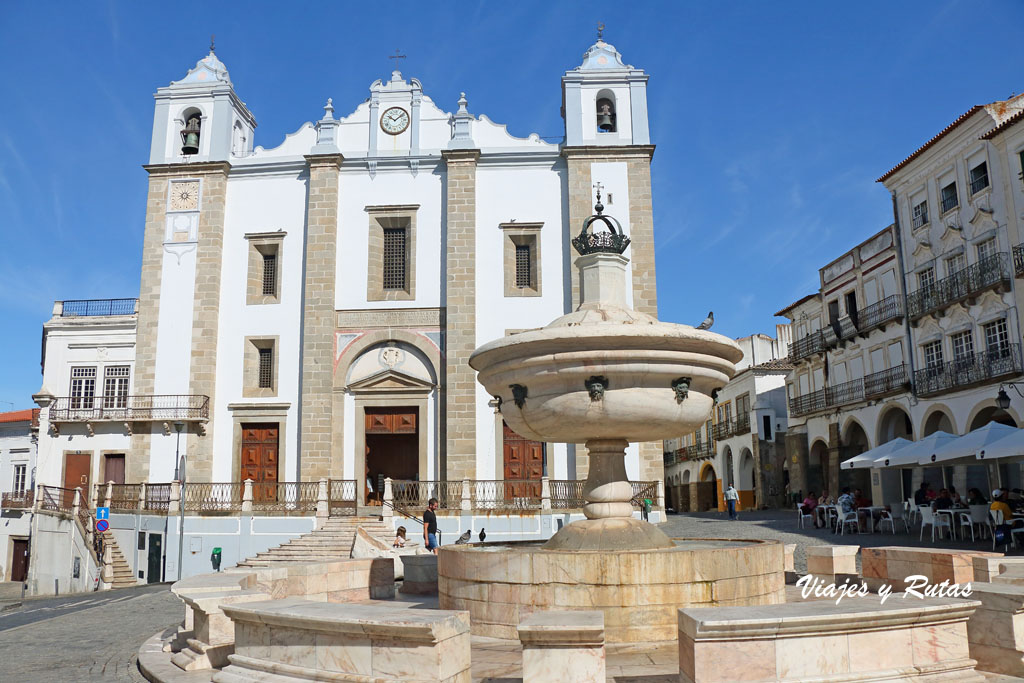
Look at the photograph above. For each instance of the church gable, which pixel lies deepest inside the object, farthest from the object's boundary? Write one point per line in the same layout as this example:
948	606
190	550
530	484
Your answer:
390	381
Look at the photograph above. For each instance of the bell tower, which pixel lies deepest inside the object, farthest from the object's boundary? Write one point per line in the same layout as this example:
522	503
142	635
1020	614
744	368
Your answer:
608	147
604	101
200	118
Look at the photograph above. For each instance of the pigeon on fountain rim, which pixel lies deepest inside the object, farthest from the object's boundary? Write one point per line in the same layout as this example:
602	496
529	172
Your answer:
708	321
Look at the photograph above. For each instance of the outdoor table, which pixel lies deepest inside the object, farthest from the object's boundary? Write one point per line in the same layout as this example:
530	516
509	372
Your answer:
952	512
870	509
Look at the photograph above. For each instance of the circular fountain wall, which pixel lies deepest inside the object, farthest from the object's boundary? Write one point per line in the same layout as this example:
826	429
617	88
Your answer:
639	591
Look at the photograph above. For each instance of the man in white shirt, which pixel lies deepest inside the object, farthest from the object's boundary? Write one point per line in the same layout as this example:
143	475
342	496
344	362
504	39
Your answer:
731	496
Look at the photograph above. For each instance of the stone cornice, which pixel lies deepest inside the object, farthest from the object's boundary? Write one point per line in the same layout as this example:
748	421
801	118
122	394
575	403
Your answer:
198	167
616	152
460	155
324	160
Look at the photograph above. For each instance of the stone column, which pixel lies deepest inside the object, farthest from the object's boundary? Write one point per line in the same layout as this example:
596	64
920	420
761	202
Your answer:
796	452
247	496
835	445
459	458
323	502
318	317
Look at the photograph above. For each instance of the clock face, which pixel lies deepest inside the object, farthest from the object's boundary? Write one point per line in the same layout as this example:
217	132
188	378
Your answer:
394	121
185	196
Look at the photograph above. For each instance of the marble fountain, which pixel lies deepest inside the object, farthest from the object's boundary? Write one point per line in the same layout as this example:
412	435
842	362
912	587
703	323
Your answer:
605	375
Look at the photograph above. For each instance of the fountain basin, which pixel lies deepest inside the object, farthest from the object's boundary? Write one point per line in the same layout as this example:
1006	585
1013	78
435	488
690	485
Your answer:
639	591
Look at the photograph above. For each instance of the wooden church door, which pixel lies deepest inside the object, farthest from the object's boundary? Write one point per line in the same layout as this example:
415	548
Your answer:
524	459
259	459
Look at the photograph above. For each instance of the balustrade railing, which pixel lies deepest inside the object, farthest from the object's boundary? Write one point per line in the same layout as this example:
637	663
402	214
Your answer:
56	499
643	490
845	393
129	408
158	498
844	328
504	495
808	403
285	496
742	424
886	381
964	372
124	496
95	307
879	313
17	500
566	494
213	497
806	347
341	497
963	284
413	495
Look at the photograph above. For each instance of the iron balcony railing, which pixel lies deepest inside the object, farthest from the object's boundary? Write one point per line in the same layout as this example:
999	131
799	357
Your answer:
130	408
721	430
950	201
1018	260
808	403
742	424
17	500
285	496
91	307
845	393
669	457
844	328
413	495
341	497
698	451
213	497
879	313
567	494
920	220
968	371
979	183
806	347
887	382
505	495
963	284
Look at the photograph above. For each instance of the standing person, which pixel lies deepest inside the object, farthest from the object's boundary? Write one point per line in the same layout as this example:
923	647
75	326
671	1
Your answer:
730	500
430	526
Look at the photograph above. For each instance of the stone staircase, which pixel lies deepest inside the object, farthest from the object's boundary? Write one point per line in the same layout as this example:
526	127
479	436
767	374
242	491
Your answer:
123	576
330	542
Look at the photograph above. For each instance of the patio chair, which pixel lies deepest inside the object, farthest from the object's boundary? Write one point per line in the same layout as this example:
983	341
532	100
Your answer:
848	518
979	516
801	515
911	510
831	515
966	521
891	516
936	521
997	518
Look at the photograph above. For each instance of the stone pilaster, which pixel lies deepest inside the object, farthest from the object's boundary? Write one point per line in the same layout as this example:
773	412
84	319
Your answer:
206	307
835	446
799	461
318	317
641	252
459	459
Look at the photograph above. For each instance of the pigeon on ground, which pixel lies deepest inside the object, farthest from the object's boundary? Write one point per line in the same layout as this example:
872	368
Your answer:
708	321
464	538
482	535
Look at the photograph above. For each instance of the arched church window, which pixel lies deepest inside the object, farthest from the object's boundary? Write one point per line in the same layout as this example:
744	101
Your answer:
190	134
606	112
238	140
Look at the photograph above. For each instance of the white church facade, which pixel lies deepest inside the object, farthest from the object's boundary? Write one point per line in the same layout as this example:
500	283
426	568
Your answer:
307	311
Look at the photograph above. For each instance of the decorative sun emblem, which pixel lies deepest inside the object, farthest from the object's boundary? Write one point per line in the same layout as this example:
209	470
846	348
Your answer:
185	196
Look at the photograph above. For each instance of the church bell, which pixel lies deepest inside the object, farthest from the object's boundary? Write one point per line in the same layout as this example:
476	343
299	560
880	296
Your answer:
605	123
190	136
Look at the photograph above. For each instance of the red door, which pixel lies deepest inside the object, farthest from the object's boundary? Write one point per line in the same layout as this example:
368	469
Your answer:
113	468
259	459
76	476
524	459
19	561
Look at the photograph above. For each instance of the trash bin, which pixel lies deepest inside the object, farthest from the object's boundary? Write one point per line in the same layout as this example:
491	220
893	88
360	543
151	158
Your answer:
647	508
215	559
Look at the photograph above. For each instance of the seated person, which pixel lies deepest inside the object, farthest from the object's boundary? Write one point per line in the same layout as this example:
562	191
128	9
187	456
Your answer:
400	539
974	497
957	502
846	502
999	503
808	506
921	495
943	502
861	502
823	500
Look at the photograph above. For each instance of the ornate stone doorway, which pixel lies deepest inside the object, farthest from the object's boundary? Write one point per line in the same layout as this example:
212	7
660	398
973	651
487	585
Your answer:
392	447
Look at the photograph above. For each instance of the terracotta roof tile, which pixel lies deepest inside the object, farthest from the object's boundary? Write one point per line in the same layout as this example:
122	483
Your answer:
1016	118
781	313
775	364
27	415
920	150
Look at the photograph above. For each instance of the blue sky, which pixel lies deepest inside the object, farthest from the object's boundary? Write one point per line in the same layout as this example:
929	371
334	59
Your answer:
772	121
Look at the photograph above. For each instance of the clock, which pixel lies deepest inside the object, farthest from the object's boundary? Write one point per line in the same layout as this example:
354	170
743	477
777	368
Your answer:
185	196
394	121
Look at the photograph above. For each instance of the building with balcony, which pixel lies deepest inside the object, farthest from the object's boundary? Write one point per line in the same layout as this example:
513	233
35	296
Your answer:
743	443
915	329
18	433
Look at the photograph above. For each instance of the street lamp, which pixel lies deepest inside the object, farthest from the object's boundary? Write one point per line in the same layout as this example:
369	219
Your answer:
179	474
1003	398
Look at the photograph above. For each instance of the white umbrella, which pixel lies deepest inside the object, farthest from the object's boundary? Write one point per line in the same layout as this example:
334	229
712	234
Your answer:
1010	446
868	458
919	453
968	445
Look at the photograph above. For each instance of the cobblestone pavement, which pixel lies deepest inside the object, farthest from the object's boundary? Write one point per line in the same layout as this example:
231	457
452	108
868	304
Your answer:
83	638
781	525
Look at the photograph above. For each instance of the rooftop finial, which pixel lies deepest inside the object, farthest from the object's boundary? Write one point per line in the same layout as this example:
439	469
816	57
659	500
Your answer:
212	36
600	31
462	103
599	207
329	109
398	55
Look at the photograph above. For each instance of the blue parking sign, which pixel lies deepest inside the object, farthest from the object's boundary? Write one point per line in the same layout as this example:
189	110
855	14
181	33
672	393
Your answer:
102	513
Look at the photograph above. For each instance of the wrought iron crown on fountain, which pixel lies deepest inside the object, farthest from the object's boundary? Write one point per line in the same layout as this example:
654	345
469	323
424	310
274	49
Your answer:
612	242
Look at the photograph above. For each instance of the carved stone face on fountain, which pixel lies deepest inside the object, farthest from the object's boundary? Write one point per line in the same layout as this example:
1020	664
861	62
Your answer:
606	375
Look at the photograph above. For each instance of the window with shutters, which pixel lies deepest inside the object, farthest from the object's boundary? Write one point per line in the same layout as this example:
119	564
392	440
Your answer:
933	356
521	258
393	265
260	363
979	178
83	387
391	249
949	198
116	379
265	268
926	278
997	338
921	214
